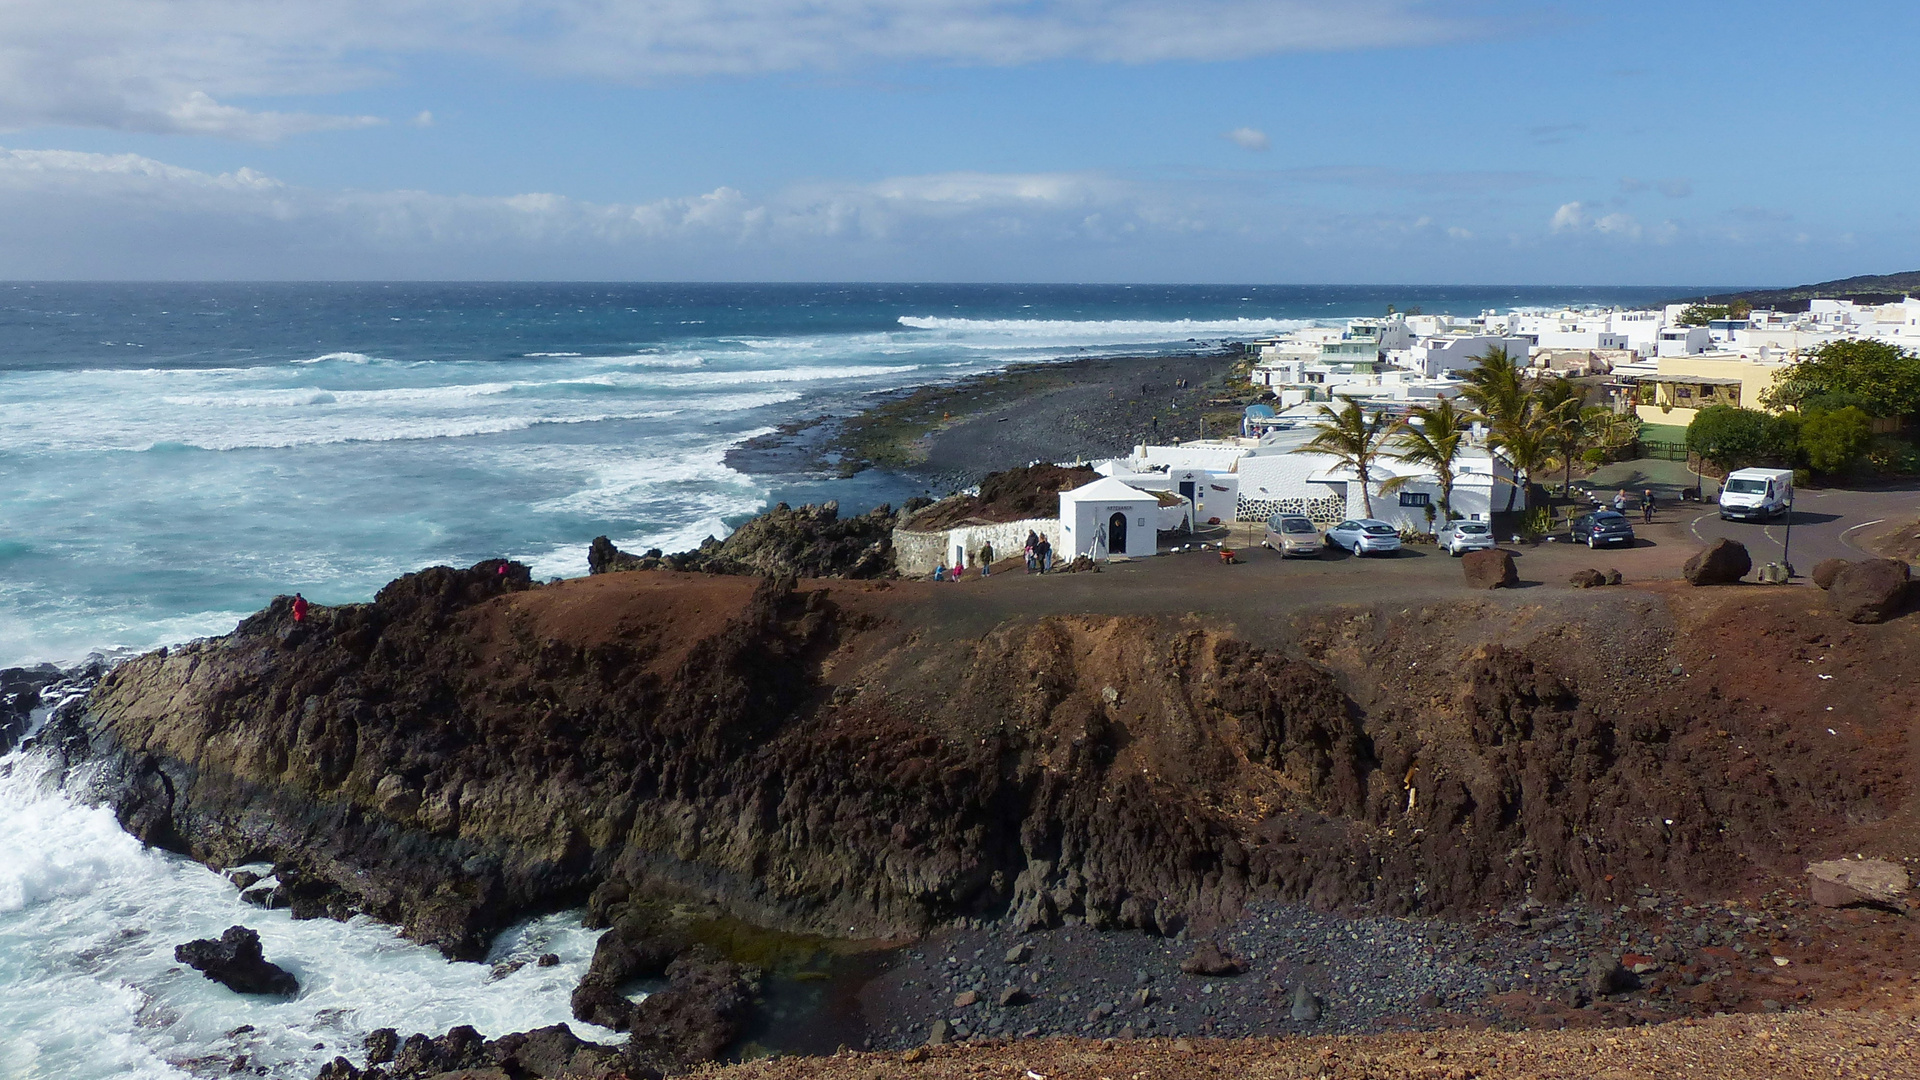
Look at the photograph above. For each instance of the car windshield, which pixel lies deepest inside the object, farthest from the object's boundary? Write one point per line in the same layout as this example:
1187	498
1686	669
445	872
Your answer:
1472	530
1378	530
1296	525
1608	519
1744	486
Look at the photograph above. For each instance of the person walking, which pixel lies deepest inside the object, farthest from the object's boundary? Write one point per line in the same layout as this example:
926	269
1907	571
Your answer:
299	608
1032	550
1043	554
1620	502
1646	507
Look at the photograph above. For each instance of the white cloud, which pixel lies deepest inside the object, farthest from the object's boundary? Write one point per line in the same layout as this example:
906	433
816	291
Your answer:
1248	138
1570	217
423	118
127	215
166	65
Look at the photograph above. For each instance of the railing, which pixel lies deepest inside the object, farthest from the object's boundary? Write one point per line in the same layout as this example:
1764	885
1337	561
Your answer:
1666	451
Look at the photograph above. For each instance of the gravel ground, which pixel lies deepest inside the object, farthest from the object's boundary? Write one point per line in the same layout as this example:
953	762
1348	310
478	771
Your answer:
1308	972
1879	1045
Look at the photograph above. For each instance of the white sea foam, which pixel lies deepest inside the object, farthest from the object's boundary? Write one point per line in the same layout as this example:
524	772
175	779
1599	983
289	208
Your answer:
89	988
1099	331
339	358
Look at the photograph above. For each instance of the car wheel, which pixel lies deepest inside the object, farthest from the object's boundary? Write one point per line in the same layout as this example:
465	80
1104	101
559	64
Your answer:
1590	544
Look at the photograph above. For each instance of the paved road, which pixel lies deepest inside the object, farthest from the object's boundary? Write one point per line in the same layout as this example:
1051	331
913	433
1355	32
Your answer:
1829	524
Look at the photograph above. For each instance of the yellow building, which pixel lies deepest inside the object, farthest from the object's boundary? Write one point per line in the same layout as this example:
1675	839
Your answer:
1686	384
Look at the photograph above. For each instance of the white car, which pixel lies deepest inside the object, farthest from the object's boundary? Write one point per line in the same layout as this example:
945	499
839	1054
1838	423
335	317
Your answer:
1365	536
1460	537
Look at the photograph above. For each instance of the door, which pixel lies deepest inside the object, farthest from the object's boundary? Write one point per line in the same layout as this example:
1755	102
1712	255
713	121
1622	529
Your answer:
1117	534
1186	490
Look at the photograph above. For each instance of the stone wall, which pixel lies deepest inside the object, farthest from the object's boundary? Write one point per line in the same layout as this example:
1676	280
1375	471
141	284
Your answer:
917	554
1323	510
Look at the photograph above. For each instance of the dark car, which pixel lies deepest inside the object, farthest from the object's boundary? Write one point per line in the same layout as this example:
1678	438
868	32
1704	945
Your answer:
1602	528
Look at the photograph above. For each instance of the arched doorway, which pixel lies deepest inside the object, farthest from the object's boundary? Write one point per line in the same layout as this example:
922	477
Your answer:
1117	534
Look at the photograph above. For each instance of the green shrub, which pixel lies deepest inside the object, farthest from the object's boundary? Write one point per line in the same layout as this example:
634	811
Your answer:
1595	456
1834	441
1734	438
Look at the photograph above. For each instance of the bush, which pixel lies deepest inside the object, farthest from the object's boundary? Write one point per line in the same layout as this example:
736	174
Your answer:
1595	456
1834	441
1877	376
1734	438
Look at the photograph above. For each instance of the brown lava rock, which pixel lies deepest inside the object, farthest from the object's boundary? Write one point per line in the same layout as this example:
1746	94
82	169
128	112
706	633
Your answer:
1489	568
1722	563
1587	579
1826	570
1870	590
1210	960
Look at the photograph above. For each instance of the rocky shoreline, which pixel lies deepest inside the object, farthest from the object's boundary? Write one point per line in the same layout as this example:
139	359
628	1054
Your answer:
947	436
1052	817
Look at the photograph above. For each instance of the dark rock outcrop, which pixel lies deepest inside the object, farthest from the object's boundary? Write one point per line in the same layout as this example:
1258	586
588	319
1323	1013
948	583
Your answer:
1587	579
19	696
810	542
1826	570
236	962
635	947
547	1053
701	1012
1489	568
1210	960
1722	563
1870	590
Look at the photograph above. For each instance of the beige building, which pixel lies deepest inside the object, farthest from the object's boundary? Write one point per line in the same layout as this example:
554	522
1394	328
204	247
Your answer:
1683	385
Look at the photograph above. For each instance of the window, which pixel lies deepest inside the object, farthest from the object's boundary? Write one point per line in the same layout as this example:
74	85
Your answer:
1415	498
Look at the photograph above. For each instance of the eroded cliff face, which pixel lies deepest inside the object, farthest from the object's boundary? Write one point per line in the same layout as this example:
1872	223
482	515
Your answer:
820	757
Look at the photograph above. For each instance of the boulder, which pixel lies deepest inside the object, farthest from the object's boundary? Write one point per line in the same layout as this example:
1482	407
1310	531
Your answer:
1844	882
701	1012
1722	563
1306	1007
1489	568
1605	975
1209	960
633	948
1587	579
1869	591
1614	578
1826	570
236	962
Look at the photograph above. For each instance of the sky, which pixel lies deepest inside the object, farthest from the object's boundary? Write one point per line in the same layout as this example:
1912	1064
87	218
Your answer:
1286	141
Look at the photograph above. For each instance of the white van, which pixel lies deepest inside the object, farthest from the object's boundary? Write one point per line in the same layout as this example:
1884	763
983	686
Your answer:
1756	494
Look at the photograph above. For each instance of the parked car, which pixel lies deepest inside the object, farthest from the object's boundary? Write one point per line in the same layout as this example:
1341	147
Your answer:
1292	534
1459	537
1365	536
1602	528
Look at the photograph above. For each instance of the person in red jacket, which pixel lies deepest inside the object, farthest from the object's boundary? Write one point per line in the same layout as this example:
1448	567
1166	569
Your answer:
299	608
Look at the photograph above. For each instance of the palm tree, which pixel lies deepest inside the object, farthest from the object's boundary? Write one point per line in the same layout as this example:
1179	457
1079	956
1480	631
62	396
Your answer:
1518	426
1353	438
1558	400
1434	441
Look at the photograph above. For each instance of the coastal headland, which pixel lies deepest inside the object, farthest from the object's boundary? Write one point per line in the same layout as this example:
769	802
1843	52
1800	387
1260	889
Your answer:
949	435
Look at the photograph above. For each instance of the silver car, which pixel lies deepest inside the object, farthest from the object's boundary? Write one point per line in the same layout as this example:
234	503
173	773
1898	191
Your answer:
1460	537
1365	536
1291	534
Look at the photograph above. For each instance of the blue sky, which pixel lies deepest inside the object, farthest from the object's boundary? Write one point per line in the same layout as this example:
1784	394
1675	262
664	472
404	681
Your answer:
1092	140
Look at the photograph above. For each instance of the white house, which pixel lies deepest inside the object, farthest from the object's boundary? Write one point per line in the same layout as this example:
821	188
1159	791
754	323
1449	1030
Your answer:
1107	518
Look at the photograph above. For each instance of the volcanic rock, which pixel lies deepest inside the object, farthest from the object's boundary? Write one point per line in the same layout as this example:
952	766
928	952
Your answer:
812	542
1587	579
19	696
1722	563
1489	568
1845	882
700	1013
1306	1007
236	962
1826	570
1614	577
1209	960
1606	975
1870	590
633	948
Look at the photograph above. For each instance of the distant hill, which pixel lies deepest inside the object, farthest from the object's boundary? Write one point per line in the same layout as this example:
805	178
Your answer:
1866	289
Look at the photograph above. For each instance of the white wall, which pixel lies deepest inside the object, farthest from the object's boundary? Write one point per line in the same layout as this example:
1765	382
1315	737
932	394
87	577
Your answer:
1083	525
916	554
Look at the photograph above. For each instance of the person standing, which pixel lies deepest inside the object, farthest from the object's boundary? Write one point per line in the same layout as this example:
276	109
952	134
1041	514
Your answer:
299	608
1043	554
1032	549
986	559
1620	501
1646	507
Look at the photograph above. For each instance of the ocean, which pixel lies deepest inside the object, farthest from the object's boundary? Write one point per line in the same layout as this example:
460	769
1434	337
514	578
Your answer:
172	456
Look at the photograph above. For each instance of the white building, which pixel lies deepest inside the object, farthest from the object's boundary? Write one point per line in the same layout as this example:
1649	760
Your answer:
1107	518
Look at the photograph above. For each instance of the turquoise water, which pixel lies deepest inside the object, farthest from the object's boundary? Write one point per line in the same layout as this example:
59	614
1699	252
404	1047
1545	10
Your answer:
173	456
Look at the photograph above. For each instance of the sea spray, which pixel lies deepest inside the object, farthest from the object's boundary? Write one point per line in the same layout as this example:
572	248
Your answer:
89	988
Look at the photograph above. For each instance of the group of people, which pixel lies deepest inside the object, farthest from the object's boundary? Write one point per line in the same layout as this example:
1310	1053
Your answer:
1646	504
1039	553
